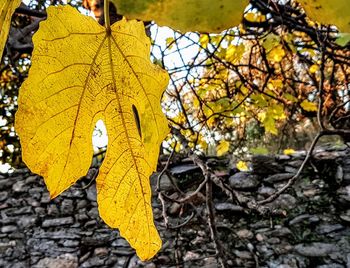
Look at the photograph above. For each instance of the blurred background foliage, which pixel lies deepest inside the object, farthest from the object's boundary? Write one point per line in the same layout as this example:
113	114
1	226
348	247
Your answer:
269	84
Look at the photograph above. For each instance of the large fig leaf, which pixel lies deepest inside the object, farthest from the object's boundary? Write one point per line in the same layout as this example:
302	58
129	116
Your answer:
329	12
7	7
82	73
186	15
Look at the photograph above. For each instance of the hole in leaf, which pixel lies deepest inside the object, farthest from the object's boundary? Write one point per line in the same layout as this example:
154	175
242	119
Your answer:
99	142
137	119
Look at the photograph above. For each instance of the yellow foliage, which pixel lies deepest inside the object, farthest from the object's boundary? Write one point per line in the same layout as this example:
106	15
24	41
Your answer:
329	12
242	166
269	125
234	53
222	148
170	42
186	15
80	74
275	84
7	7
276	54
254	17
313	68
308	106
271	41
204	40
288	151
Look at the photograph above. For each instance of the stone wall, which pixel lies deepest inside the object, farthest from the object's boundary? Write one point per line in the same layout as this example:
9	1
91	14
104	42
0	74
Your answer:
311	230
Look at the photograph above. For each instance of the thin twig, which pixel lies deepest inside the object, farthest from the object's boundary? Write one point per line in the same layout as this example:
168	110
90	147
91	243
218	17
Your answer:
295	177
212	223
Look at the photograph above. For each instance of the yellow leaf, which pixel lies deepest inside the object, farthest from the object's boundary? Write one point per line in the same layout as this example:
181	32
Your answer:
276	54
80	74
313	68
222	148
288	151
242	166
234	53
275	84
329	12
7	7
290	97
270	125
254	17
170	42
186	15
204	40
271	41
308	106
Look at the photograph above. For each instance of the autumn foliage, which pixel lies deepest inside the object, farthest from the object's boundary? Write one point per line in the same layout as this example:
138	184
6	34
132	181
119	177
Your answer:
241	87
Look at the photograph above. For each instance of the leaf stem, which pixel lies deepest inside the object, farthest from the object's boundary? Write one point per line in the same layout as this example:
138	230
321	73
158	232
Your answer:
106	15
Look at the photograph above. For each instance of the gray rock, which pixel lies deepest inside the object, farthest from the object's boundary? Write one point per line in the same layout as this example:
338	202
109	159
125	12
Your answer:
81	217
45	199
243	254
329	228
344	194
101	252
20	187
63	261
5	183
290	169
332	265
304	218
278	177
289	261
81	204
70	243
91	192
36	192
120	242
266	191
280	232
184	168
93	213
284	201
165	183
345	216
25	222
57	222
228	207
67	233
8	229
32	179
316	249
245	234
244	181
74	192
67	207
265	165
52	210
3	196
19	211
93	262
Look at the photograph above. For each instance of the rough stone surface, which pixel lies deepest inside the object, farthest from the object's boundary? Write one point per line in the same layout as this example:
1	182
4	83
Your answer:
244	181
307	226
316	249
